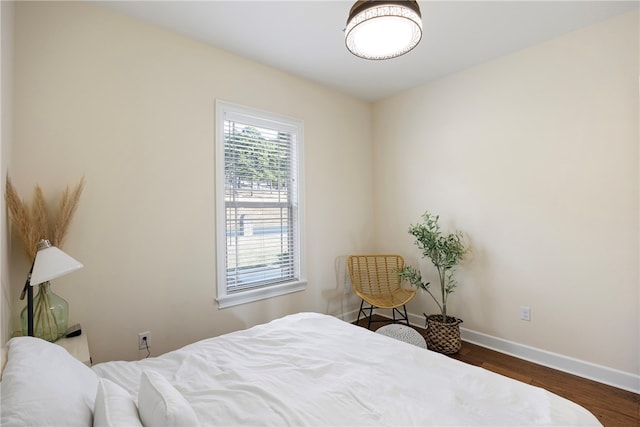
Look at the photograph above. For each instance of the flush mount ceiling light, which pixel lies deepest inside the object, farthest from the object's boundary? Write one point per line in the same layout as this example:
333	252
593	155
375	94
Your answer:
383	29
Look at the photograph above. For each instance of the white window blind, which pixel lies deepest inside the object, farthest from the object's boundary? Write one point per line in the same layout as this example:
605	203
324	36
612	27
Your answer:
262	205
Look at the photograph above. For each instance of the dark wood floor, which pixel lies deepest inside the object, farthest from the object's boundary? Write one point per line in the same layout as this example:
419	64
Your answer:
612	406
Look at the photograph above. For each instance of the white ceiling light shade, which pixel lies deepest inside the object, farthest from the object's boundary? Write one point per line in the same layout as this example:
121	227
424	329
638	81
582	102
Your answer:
383	29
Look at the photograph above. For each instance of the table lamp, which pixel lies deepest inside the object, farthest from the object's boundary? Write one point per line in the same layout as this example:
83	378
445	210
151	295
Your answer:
50	263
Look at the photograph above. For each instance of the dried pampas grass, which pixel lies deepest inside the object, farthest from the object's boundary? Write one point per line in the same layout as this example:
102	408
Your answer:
32	223
66	209
21	218
39	217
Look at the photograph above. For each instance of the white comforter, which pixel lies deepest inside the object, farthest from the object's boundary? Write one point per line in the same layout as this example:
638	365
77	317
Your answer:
312	369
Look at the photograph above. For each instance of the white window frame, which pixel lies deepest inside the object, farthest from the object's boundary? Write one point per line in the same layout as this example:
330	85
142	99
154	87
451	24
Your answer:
260	118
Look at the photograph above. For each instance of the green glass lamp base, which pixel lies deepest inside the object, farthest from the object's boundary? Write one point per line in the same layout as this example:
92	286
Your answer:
50	315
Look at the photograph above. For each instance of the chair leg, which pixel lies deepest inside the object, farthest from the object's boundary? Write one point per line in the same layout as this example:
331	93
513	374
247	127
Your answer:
370	314
405	314
360	312
404	317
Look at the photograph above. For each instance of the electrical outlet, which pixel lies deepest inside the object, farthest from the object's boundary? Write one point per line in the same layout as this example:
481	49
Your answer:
144	340
525	313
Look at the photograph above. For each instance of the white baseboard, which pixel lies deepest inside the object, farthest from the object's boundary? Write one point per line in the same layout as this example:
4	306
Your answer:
349	316
581	368
592	371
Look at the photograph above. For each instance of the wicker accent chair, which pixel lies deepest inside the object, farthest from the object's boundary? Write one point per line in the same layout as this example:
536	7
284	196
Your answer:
375	279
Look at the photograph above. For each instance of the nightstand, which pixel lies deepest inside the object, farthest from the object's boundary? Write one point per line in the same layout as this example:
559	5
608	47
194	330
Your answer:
78	347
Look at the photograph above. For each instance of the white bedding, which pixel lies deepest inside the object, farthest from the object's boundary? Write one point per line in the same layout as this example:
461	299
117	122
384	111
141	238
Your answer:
313	369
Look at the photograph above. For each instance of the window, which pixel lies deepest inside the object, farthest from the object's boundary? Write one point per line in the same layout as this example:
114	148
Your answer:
259	205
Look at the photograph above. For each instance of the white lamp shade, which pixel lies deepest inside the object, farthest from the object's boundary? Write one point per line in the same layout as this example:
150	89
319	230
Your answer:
52	263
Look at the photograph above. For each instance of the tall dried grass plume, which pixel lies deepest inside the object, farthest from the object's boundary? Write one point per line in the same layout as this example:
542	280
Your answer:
66	210
32	223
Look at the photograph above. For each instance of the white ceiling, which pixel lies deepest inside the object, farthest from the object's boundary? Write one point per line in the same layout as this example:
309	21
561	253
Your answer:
305	37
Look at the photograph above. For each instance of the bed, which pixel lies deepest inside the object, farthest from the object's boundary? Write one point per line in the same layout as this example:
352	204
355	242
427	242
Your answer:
302	369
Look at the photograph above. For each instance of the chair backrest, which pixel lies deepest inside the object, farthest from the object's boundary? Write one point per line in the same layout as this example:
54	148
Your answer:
375	274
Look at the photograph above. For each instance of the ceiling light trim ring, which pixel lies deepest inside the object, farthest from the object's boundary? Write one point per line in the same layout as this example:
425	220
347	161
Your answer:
363	5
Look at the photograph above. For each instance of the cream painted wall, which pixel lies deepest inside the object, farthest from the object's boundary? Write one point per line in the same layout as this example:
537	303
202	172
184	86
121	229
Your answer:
131	107
535	156
6	82
545	182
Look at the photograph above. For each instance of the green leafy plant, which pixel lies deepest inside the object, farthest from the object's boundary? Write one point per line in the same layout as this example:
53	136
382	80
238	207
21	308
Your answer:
445	251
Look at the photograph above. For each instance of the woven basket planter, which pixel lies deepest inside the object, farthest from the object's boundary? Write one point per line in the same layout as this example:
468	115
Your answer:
443	337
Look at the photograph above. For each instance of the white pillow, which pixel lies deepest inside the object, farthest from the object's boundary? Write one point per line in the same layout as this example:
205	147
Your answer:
160	404
43	385
114	407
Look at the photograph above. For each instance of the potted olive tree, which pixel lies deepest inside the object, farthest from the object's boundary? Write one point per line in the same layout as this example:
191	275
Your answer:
445	251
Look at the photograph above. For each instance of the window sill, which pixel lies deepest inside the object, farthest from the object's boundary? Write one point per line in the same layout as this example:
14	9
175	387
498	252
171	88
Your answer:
252	295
